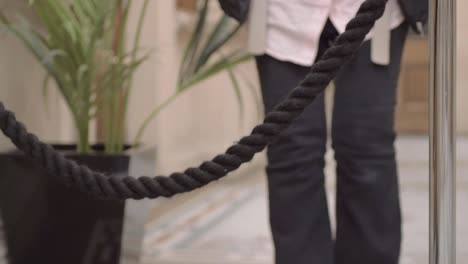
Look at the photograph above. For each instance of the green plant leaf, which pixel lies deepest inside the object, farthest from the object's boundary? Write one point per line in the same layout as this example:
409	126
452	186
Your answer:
208	71
186	65
45	86
45	91
76	32
256	97
225	29
238	93
3	19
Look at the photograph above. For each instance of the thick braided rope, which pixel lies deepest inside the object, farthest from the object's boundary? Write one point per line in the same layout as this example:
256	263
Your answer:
284	114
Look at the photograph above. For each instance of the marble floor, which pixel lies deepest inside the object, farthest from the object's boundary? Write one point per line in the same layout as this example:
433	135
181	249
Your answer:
228	222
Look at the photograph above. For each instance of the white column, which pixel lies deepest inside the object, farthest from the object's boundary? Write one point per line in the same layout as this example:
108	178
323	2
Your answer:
442	133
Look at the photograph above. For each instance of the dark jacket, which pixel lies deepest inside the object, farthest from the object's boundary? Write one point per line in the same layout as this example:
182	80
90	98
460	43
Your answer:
237	9
416	13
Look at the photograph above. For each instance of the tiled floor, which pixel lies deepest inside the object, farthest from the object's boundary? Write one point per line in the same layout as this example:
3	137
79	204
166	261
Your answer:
228	222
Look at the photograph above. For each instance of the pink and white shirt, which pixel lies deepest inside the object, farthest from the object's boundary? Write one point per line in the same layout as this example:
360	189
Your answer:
293	27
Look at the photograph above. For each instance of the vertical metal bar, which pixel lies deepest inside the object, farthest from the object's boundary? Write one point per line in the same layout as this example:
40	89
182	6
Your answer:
442	132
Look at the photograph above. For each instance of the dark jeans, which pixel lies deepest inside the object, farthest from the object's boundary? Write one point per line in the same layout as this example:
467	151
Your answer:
368	207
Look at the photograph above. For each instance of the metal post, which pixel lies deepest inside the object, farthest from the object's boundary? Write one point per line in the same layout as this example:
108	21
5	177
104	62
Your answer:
442	132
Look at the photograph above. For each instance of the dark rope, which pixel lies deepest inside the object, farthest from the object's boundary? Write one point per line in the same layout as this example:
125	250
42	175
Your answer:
98	184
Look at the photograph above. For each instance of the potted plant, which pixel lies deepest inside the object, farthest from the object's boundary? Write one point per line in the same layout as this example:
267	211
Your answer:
81	45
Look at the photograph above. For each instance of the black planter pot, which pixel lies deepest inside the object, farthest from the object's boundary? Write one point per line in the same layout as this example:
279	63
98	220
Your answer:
2	245
46	222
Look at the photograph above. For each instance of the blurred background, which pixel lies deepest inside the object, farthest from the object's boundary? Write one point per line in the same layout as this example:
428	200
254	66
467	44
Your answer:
227	222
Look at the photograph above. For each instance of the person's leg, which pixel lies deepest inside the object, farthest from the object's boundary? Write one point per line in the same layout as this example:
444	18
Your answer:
298	208
368	207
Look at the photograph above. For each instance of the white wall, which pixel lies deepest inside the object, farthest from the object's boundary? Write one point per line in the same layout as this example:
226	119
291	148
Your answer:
21	87
198	125
203	121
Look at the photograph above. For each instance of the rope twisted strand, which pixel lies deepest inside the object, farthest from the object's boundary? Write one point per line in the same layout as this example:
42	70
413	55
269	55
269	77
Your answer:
101	185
